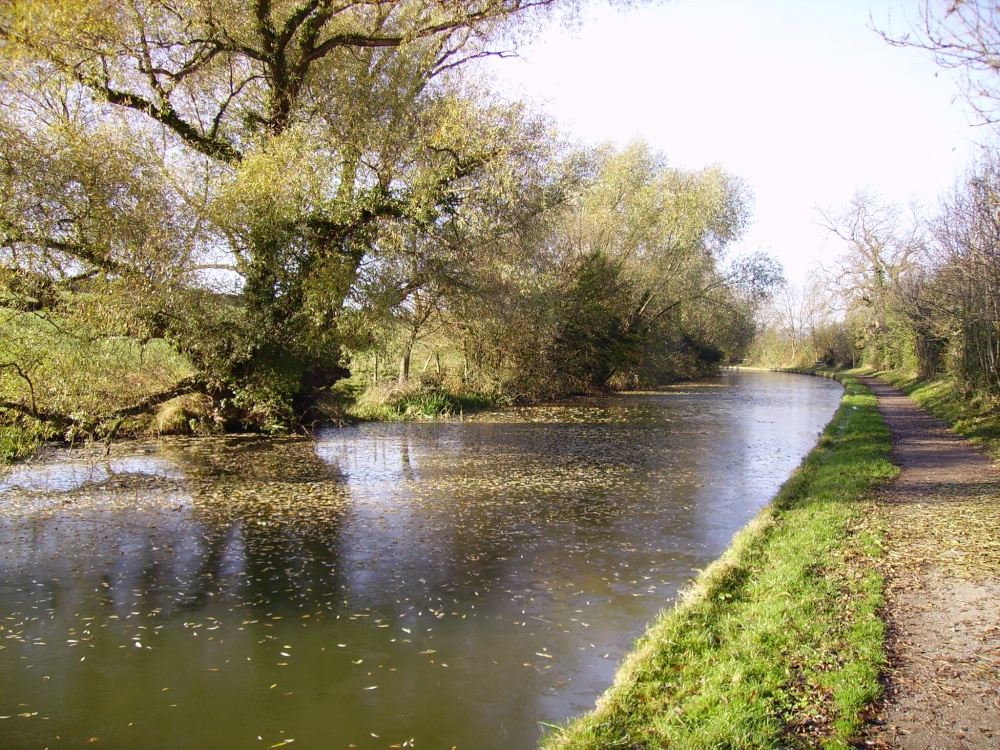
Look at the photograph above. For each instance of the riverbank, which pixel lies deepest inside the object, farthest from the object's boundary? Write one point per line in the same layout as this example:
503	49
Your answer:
17	443
484	575
351	400
781	640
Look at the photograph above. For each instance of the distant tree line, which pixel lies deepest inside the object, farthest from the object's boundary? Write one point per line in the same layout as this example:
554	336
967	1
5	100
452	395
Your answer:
913	291
916	289
803	325
924	294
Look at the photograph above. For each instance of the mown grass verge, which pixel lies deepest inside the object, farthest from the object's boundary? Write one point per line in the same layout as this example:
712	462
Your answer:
973	415
780	642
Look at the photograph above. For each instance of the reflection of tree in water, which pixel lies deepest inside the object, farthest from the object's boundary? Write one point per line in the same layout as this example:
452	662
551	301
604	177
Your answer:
271	510
255	520
480	574
444	510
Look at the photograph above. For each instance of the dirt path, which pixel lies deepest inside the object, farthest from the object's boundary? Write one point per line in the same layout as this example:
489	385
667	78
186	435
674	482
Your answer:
942	517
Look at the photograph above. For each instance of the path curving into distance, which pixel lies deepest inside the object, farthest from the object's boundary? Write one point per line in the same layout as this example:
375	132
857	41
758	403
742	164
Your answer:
942	520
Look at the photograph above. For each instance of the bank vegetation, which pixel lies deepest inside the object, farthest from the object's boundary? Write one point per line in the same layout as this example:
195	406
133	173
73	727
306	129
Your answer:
915	291
236	215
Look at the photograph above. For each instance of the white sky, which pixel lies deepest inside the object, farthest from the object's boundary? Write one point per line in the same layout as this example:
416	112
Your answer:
798	97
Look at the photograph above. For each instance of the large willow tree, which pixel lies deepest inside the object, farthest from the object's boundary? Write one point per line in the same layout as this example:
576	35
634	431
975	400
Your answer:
626	276
218	172
646	246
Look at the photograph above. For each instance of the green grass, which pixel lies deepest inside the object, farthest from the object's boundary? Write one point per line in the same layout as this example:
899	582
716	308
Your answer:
54	365
57	365
412	400
975	415
780	642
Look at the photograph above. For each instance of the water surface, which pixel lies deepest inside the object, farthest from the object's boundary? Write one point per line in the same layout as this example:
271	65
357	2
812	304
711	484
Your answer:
432	585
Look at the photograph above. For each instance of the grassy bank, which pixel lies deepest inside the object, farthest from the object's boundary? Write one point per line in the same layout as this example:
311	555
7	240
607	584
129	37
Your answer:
779	643
974	415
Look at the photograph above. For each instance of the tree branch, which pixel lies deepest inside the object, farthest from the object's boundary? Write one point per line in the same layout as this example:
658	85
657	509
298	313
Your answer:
164	113
42	416
31	386
183	388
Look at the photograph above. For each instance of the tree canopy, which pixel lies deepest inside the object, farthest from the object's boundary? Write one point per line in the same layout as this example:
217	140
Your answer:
278	190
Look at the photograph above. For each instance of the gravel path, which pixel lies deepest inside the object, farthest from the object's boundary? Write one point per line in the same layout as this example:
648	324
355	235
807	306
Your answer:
942	520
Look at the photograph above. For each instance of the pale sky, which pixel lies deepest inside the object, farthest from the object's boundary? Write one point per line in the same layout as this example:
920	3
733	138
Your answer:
800	98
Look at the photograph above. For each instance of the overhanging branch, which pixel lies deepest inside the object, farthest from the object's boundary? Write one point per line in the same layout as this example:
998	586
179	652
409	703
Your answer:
166	115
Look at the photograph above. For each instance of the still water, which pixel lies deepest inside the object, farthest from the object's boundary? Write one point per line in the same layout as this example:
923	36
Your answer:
456	584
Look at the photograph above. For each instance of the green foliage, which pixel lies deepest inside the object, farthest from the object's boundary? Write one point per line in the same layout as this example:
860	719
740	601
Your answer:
799	329
239	207
52	365
923	295
17	441
414	400
779	643
594	342
355	197
619	282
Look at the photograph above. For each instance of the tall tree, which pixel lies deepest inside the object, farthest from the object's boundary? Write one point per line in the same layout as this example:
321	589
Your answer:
881	259
648	243
961	287
268	145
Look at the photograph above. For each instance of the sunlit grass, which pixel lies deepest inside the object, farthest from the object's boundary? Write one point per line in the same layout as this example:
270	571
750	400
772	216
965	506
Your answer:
779	643
54	365
394	401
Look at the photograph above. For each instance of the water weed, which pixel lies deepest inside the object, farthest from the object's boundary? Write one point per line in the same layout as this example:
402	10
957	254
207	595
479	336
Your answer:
413	399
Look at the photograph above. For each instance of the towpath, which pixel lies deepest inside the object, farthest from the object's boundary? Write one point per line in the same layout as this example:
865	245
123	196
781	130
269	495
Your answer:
942	517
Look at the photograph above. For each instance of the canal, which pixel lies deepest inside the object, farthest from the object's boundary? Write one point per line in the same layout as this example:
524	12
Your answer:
456	584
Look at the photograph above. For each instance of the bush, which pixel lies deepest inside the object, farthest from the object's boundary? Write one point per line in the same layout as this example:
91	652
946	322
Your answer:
397	400
17	442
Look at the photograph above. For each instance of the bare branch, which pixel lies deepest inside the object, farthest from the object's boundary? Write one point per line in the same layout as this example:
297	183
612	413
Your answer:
962	35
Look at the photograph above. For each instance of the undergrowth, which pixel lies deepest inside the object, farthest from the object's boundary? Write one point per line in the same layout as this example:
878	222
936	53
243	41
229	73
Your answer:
15	443
20	440
414	399
778	644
